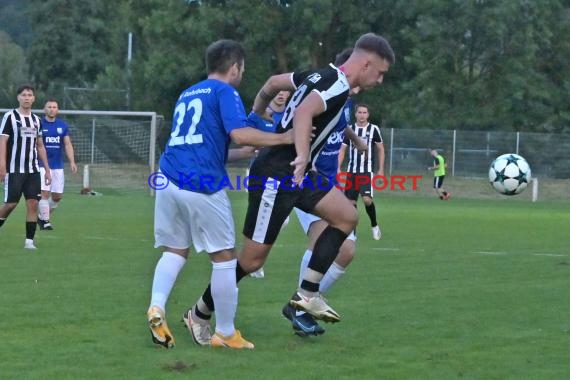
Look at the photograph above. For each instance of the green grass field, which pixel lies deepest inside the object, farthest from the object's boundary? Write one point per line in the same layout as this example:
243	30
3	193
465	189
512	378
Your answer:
465	289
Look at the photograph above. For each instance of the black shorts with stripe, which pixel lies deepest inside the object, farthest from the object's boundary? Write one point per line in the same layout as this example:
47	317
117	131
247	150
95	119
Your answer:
28	184
270	202
438	181
357	186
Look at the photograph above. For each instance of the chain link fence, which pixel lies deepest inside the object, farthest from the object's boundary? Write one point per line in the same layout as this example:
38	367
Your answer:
469	153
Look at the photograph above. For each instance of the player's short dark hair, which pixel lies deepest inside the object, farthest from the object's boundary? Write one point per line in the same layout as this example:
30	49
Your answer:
222	54
51	100
363	105
342	57
25	87
376	44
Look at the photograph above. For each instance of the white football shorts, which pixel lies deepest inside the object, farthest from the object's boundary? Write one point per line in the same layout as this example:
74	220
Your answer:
184	217
57	180
307	219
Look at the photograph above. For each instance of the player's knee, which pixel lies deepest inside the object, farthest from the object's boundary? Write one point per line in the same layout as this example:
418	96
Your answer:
349	219
9	207
251	264
54	201
367	200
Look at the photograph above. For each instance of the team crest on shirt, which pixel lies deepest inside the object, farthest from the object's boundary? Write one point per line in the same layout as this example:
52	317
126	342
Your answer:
59	131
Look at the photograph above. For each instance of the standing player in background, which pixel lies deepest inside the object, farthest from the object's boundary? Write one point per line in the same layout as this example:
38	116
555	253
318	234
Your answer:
20	146
55	134
439	166
361	163
206	117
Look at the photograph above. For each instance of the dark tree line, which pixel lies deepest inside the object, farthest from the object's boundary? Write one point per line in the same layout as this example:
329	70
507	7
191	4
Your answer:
467	64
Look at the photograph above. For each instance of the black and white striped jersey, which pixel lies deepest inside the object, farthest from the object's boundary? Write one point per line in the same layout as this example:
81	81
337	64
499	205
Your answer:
332	86
363	162
22	132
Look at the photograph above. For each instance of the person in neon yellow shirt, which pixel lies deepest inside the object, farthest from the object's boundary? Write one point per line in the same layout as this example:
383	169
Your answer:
438	167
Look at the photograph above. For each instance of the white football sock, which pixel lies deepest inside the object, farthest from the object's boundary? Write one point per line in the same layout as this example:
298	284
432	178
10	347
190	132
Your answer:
167	269
43	207
225	295
304	264
53	204
333	274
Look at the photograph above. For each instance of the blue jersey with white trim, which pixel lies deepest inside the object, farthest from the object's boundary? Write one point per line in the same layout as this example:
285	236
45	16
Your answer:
197	151
53	133
326	161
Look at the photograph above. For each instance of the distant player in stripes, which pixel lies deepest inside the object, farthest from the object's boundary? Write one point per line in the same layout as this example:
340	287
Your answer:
55	135
20	147
362	163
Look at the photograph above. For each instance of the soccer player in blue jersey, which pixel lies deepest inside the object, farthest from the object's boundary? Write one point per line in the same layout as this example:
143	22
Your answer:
55	133
194	208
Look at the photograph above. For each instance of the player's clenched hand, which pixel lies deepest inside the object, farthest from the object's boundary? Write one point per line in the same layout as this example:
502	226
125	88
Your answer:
47	177
300	164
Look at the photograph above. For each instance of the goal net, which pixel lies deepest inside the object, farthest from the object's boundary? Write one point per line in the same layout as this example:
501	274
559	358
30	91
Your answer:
115	151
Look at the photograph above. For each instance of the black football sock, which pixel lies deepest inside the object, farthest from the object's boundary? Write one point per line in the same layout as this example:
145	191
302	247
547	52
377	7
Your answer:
324	253
30	230
371	211
2	221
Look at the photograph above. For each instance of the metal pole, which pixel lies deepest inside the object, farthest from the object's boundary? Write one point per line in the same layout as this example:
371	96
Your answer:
93	141
453	152
518	140
129	58
391	148
152	153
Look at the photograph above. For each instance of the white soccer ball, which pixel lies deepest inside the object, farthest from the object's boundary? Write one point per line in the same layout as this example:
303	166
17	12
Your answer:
509	174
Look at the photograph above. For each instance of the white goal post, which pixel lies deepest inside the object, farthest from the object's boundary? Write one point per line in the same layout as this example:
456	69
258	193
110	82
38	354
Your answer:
115	150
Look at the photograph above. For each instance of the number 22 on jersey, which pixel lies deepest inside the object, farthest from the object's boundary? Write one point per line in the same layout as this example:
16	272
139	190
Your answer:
177	138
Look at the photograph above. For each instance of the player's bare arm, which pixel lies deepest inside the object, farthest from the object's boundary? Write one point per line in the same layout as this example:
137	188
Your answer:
69	152
309	108
359	143
341	156
244	152
43	157
3	151
255	137
275	83
381	157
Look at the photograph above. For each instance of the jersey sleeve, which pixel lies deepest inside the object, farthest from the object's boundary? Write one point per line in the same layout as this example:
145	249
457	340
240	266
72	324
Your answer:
298	77
377	136
40	127
65	128
6	126
332	91
232	110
